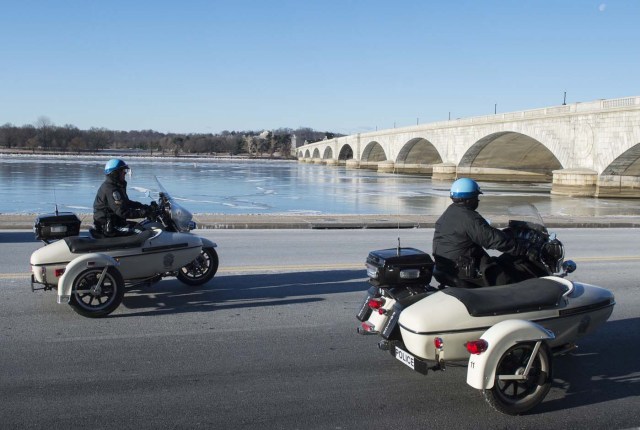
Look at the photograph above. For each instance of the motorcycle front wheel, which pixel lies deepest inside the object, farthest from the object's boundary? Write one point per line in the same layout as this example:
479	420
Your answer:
92	300
514	397
200	270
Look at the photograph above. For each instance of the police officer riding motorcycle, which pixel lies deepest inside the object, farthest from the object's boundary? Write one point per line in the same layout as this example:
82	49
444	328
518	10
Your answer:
112	206
461	237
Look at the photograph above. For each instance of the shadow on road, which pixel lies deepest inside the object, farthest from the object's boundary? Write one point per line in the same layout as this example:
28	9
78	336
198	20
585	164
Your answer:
17	237
242	291
610	373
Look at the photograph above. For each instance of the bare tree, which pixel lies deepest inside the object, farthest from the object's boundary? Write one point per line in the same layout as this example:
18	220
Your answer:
45	128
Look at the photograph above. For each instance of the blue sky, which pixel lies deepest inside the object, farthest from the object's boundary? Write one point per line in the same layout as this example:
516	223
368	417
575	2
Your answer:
334	65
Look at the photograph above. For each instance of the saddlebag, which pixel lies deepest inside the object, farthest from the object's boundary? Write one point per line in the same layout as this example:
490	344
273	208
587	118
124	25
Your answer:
399	266
54	226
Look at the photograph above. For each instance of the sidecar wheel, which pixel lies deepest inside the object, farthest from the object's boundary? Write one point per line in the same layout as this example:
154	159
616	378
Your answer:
200	270
90	301
516	397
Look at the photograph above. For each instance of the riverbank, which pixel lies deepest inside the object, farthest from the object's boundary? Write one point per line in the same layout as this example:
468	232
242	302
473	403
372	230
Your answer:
291	221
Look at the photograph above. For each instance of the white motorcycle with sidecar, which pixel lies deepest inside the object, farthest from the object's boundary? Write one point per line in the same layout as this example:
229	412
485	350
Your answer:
506	335
91	273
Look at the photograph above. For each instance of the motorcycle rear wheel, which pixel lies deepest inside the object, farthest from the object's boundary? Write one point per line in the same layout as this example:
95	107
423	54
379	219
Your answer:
200	270
516	397
92	301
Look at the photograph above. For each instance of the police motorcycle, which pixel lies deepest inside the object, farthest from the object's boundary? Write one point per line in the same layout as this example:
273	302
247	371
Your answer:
91	273
506	335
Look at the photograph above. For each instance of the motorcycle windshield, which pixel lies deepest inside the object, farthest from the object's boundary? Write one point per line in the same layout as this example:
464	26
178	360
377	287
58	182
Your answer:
528	214
179	214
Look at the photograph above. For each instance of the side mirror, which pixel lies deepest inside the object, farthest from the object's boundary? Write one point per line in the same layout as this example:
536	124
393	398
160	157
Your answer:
569	266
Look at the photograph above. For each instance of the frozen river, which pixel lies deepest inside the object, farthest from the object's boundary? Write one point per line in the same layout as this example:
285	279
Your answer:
35	184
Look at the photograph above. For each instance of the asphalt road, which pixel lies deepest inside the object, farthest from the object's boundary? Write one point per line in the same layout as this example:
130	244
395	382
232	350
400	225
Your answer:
271	343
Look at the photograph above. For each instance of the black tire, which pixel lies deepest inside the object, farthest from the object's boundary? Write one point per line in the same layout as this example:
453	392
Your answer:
516	397
200	270
92	302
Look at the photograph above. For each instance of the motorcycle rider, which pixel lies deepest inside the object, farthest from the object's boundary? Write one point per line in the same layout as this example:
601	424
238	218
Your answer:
461	236
112	207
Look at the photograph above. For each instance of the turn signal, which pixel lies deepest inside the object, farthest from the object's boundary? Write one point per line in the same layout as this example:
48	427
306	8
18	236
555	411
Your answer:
376	303
58	272
477	346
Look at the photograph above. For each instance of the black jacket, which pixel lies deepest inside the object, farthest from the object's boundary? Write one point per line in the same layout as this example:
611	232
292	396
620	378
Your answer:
113	203
462	232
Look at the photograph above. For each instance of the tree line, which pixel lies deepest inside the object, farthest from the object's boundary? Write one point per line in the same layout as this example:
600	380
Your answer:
46	136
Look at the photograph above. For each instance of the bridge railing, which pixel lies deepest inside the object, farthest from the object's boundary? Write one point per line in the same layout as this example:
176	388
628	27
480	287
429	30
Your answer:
579	107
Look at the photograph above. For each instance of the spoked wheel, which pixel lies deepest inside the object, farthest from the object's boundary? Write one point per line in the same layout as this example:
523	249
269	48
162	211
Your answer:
515	396
92	300
200	270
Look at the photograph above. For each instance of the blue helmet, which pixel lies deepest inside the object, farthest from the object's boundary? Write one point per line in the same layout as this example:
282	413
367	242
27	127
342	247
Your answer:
464	188
113	165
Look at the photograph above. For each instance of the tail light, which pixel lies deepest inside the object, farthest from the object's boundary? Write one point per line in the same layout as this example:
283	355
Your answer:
477	346
376	303
438	343
368	327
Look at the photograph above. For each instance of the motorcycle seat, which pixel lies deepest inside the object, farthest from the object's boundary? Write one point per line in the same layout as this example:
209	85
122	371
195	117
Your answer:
526	296
79	245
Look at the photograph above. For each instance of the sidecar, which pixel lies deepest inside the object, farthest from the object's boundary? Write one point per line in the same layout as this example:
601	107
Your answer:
506	334
91	274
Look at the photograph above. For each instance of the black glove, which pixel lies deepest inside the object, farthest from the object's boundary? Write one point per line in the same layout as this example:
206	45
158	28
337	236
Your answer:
521	248
150	211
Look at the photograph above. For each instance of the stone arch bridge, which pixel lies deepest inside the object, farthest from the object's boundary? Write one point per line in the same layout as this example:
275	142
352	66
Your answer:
587	149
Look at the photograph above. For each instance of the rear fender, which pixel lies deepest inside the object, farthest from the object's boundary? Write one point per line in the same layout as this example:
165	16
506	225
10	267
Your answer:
500	337
75	267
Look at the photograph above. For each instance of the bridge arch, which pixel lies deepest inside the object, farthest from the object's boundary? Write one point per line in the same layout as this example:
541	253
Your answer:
346	152
373	152
626	164
510	150
419	151
307	154
316	153
328	153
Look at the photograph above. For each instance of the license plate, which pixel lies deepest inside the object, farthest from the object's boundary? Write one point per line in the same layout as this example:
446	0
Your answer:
405	357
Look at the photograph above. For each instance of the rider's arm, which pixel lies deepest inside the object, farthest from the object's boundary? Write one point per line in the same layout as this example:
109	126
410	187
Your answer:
125	208
489	237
